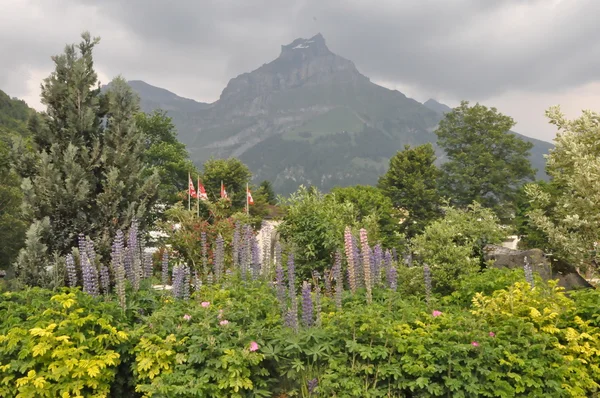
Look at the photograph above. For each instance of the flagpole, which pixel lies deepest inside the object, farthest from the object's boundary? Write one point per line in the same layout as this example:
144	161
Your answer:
189	193
198	197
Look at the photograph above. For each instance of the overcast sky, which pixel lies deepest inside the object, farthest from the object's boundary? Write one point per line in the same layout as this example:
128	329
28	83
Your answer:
520	56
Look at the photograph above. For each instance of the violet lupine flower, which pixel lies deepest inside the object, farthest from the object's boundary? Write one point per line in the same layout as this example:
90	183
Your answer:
318	305
165	268
119	267
90	276
312	385
71	271
392	278
350	258
291	271
255	250
307	305
337	276
528	273
366	263
104	279
378	262
89	250
134	256
186	283
427	276
236	245
82	246
373	270
358	263
246	256
196	281
327	281
219	258
178	280
148	265
387	265
280	286
204	250
292	316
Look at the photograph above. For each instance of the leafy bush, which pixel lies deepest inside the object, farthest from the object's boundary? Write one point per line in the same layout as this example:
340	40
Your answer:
68	344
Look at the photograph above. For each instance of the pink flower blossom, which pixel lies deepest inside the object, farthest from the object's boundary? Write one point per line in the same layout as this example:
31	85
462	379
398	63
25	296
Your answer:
436	313
492	334
475	344
253	346
205	304
224	322
220	314
187	317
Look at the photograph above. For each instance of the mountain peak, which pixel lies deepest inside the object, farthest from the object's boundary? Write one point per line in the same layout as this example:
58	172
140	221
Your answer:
437	106
315	46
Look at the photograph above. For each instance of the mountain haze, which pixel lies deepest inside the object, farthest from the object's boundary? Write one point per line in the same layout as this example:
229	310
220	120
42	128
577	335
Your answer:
307	117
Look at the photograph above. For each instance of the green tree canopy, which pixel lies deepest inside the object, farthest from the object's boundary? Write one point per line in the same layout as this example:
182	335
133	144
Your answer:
266	189
486	162
411	184
569	214
89	175
233	173
165	155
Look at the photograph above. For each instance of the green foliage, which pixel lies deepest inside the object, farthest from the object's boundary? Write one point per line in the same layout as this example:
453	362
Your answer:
314	226
452	245
165	155
411	184
64	345
14	114
266	188
89	176
371	204
234	175
568	214
487	163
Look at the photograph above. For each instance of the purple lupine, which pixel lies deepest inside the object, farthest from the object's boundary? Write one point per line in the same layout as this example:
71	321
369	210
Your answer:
528	273
204	251
327	281
350	258
82	246
148	265
312	385
89	250
165	268
236	245
246	257
392	278
71	270
196	281
427	277
104	279
358	263
178	280
372	266
307	305
292	318
378	262
318	305
118	266
133	255
219	258
387	264
337	275
186	283
366	251
255	250
89	276
266	248
280	286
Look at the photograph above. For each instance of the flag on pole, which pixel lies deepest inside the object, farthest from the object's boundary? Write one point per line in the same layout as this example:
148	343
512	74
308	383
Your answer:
223	191
202	192
249	194
192	191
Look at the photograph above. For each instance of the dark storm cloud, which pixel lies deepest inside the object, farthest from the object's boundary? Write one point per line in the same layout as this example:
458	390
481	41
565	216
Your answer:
459	49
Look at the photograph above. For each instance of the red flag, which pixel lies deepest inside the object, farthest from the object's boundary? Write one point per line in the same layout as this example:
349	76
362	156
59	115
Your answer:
191	189
202	192
223	191
250	200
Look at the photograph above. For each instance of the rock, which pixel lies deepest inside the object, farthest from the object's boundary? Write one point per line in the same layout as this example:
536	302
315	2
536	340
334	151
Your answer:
567	275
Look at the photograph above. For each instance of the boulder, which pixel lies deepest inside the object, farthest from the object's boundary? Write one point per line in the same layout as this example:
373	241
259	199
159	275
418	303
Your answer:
567	275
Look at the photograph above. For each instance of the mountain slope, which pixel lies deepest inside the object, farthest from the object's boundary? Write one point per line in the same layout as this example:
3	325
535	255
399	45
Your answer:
540	148
307	117
14	114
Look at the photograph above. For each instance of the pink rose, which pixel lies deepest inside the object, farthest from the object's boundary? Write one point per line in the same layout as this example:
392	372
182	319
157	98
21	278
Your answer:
492	334
475	344
253	346
224	322
205	304
436	313
187	317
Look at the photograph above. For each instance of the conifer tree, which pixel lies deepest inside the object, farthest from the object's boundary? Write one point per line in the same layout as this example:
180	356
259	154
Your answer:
88	176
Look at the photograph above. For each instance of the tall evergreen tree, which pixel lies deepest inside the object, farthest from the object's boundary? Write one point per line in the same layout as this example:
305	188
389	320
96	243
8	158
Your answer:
89	173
